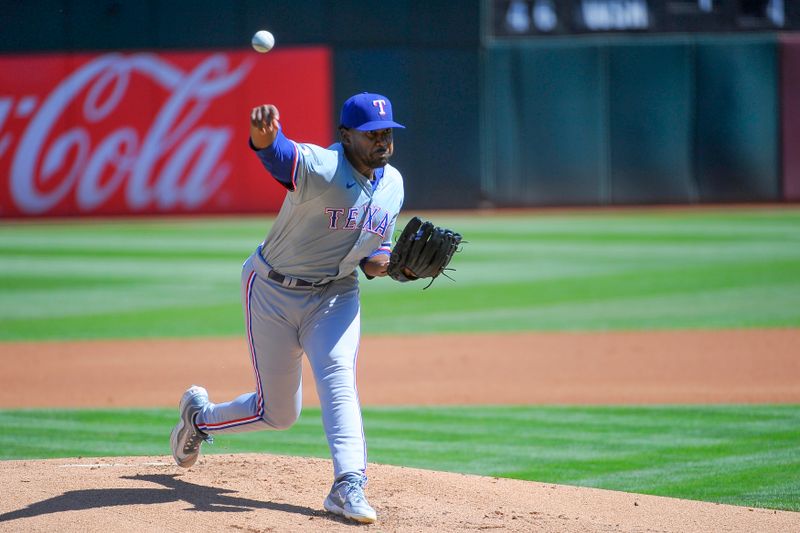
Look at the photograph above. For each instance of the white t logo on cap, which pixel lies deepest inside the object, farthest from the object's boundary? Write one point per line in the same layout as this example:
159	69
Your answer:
379	104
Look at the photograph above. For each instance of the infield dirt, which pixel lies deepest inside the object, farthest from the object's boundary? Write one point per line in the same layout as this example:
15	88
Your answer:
276	493
651	367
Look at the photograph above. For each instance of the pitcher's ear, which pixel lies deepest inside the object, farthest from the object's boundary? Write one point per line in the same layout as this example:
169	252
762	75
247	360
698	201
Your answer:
344	135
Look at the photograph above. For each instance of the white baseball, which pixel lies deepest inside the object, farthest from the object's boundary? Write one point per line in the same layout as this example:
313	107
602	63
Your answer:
263	41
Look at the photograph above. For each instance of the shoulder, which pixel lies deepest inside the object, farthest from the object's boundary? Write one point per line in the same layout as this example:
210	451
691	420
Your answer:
391	172
316	152
337	149
318	159
392	177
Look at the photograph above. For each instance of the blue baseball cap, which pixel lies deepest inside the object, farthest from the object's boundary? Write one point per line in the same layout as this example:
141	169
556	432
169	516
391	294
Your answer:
368	111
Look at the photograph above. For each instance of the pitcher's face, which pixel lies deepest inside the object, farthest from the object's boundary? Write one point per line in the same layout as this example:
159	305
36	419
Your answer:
367	150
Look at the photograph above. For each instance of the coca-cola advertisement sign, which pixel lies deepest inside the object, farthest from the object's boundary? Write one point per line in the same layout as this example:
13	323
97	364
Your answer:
151	133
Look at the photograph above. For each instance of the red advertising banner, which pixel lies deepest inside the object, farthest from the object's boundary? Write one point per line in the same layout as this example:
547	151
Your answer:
151	133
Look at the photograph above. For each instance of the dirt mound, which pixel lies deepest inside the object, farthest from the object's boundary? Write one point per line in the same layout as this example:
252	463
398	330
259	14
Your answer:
277	493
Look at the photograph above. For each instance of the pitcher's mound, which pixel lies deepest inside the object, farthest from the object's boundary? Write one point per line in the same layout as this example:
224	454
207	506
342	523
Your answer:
276	493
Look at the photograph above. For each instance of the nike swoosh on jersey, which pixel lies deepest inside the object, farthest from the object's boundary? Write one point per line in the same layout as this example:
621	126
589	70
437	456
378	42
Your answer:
351	184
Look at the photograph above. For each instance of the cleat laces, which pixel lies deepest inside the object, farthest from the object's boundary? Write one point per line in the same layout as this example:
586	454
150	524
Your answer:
354	489
196	439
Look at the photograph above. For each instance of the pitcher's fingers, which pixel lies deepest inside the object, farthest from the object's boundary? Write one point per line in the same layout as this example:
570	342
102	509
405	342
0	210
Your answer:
256	118
272	116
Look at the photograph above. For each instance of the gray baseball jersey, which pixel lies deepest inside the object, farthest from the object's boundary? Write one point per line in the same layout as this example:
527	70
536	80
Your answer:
334	218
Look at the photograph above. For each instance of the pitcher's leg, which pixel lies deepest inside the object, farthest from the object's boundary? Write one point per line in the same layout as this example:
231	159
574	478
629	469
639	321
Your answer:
276	357
332	348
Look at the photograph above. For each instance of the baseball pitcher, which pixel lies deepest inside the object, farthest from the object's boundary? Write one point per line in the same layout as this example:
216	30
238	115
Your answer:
300	290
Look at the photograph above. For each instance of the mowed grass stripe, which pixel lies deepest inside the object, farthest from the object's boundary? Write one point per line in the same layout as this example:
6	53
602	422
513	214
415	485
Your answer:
623	270
744	455
95	300
748	294
739	308
723	221
163	322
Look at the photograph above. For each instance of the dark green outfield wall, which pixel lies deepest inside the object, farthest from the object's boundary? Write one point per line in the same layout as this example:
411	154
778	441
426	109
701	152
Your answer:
45	25
437	89
633	120
588	120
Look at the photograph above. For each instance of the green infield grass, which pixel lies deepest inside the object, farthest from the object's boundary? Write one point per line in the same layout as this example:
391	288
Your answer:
743	455
577	271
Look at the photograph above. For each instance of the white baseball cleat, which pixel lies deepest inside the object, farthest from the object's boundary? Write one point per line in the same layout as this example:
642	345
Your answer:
347	499
185	438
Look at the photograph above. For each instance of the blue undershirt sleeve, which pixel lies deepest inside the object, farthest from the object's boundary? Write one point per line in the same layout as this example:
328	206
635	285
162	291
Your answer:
280	159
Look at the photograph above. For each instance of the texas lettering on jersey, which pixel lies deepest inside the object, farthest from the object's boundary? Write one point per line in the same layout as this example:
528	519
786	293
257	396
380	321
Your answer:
373	219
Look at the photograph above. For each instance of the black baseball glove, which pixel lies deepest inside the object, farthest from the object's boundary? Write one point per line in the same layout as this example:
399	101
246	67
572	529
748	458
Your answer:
422	251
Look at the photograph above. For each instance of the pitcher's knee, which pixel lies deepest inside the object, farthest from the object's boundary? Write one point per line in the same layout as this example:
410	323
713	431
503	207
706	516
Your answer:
281	419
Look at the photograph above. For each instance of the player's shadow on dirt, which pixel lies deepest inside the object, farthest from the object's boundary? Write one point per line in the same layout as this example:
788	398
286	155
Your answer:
200	497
